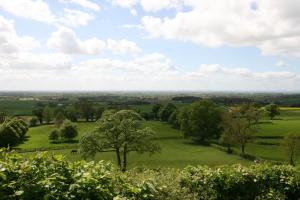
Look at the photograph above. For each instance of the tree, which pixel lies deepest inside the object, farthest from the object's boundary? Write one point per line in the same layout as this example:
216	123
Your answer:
202	121
166	111
98	112
54	134
3	116
38	112
47	114
241	126
228	135
272	110
68	130
59	119
155	110
119	131
33	121
71	113
86	109
173	119
12	131
291	146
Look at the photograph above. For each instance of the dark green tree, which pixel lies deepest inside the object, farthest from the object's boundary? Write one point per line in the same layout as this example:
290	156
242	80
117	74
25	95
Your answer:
68	130
202	121
166	111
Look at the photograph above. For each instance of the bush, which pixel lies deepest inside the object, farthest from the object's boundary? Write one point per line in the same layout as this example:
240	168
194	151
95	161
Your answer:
33	122
12	131
68	130
51	177
237	182
54	134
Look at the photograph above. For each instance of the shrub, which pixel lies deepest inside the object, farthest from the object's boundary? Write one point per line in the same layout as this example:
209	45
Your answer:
12	131
33	122
68	130
54	134
51	177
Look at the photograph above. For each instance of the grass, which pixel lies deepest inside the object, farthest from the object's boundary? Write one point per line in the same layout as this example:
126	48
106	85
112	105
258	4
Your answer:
37	137
176	151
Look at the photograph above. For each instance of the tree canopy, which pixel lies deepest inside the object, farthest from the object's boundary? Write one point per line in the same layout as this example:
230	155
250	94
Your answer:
119	131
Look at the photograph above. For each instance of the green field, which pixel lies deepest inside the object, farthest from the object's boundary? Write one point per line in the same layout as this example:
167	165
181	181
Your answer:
179	152
176	151
272	132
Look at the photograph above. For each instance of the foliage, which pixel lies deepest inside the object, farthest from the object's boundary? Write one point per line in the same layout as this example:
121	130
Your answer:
166	111
239	126
272	110
47	176
173	119
71	113
12	131
3	116
59	118
33	121
68	130
38	112
47	114
54	134
155	110
236	182
291	145
120	132
202	120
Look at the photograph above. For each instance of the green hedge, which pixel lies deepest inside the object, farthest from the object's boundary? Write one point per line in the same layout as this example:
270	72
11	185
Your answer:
48	176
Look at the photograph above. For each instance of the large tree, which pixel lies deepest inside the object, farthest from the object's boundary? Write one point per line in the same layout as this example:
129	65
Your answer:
120	132
202	120
240	126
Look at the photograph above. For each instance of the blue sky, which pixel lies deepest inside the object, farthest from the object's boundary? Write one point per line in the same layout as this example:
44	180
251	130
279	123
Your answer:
249	45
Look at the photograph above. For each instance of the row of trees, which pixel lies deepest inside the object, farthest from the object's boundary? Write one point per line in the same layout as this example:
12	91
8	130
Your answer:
205	120
81	109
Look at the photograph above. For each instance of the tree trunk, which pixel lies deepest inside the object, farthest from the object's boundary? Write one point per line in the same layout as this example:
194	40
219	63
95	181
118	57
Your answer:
292	161
243	148
124	158
118	157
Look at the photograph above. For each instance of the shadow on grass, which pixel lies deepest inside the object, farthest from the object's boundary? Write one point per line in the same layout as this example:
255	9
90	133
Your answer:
64	141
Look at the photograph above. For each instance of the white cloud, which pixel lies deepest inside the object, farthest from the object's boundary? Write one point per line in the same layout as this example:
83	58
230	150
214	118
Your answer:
66	41
271	26
124	3
31	9
83	3
123	46
75	18
157	5
39	10
133	12
12	44
281	63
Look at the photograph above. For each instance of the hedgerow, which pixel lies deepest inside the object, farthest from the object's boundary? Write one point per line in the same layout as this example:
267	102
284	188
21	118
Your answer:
49	176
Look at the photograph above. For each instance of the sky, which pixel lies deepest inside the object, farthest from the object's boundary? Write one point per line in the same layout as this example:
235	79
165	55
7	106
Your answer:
150	45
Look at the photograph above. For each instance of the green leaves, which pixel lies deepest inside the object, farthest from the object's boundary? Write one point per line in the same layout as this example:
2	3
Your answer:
46	176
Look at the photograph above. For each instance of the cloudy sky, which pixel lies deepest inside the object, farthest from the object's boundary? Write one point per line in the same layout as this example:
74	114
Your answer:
199	45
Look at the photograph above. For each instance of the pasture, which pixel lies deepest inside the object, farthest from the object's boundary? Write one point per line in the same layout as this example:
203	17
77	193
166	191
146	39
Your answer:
176	151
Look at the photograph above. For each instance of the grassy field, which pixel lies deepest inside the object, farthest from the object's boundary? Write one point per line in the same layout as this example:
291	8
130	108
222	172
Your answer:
176	151
268	144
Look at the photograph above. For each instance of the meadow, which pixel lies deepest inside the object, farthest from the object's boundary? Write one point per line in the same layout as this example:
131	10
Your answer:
177	151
